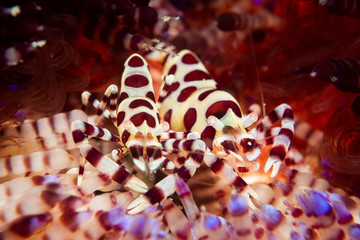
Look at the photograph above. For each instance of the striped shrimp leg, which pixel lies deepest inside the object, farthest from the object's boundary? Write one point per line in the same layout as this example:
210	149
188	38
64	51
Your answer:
117	172
81	131
55	159
87	98
187	169
205	225
177	221
191	210
103	213
109	102
11	189
241	220
36	200
282	141
188	165
224	171
45	133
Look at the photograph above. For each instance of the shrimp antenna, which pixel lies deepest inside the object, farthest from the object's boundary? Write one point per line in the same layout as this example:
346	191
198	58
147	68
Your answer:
257	76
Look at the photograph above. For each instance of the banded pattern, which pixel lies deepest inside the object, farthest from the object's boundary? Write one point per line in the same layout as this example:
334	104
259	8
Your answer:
44	134
191	102
56	159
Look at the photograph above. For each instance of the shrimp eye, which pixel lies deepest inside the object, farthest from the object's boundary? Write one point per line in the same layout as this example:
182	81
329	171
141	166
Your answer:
248	144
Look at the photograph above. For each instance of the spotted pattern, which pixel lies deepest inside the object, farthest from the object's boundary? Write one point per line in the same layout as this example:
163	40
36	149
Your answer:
172	70
135	61
140	117
193	97
167	116
120	117
205	94
207	135
196	75
219	109
140	102
185	93
189	59
123	96
136	81
151	96
190	118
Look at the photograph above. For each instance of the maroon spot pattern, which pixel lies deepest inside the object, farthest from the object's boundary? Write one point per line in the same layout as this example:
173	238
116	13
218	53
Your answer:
185	93
123	95
135	61
120	117
172	70
190	118
196	75
207	135
140	102
151	96
167	116
139	118
205	94
296	212
219	109
189	59
172	88
125	136
136	81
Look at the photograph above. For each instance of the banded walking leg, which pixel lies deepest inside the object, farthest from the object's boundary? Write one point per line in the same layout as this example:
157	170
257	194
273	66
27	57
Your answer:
117	172
81	131
282	140
166	186
107	107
